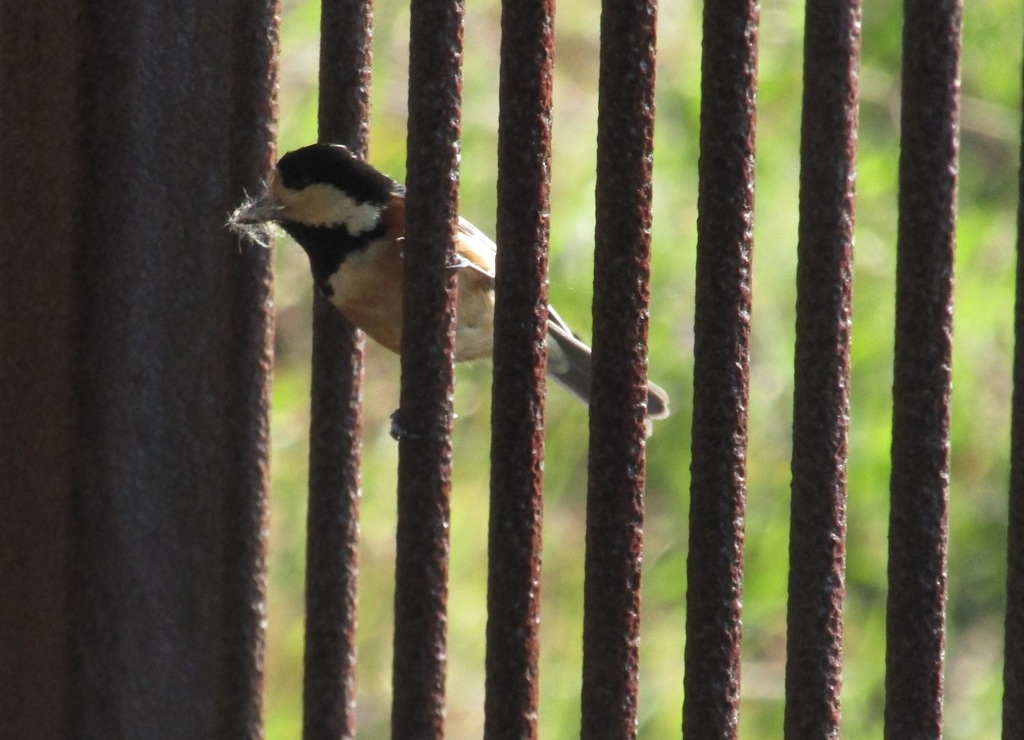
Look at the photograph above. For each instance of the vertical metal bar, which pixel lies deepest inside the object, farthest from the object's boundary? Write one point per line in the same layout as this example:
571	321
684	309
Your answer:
517	415
332	545
725	207
39	129
611	621
821	406
424	420
169	455
344	106
1013	665
915	629
248	360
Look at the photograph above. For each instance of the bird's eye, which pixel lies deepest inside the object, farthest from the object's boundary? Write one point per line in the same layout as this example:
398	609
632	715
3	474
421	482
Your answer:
296	180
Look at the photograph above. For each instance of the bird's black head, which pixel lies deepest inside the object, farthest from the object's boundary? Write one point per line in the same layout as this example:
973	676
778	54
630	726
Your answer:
334	165
330	201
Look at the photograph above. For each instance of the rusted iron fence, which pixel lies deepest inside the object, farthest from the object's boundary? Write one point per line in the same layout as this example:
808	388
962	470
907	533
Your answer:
135	340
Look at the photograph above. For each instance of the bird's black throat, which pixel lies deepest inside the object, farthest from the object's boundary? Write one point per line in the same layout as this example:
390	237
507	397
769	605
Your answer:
328	247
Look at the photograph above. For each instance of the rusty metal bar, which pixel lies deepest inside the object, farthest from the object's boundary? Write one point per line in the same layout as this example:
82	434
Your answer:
424	421
725	207
344	105
915	628
1013	665
146	406
38	135
248	363
171	456
332	544
821	404
517	414
625	140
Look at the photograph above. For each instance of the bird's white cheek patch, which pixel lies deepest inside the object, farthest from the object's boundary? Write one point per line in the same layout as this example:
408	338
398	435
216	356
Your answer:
325	205
361	217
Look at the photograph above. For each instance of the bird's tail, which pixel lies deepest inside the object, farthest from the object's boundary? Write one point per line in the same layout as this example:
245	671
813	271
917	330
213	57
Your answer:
569	364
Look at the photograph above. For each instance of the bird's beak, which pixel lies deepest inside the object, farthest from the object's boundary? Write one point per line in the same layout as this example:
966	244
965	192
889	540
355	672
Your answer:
260	210
254	217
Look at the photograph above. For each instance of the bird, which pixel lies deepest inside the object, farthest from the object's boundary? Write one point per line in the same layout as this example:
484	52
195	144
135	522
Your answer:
349	218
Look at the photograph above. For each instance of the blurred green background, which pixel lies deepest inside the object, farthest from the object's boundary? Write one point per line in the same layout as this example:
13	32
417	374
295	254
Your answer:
982	375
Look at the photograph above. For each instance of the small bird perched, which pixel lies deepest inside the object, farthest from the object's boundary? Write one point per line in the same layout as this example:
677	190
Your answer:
350	220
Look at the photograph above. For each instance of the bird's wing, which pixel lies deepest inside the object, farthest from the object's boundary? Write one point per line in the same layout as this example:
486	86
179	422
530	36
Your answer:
476	250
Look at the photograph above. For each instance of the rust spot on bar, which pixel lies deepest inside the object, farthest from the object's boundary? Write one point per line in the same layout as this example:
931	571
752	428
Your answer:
517	416
915	629
611	622
817	550
424	420
332	547
721	368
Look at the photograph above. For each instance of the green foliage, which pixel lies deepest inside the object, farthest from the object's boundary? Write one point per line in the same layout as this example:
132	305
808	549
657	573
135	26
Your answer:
982	365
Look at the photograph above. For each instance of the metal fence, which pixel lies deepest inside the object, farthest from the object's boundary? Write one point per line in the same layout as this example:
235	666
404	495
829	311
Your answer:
136	341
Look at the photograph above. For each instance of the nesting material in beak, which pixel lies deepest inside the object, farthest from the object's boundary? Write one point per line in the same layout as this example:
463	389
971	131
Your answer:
255	219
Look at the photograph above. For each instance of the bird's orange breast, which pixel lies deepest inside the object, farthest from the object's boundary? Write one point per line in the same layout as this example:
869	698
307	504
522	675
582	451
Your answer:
368	291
